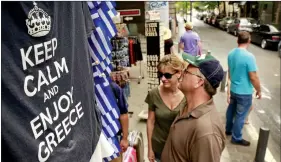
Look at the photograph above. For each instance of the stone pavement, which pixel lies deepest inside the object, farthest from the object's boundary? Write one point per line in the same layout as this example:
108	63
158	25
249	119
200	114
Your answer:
232	153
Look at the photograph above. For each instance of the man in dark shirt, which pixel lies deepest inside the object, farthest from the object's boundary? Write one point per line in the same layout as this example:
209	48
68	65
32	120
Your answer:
124	118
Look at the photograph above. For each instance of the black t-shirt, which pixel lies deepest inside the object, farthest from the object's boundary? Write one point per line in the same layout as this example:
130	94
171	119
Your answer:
168	44
48	104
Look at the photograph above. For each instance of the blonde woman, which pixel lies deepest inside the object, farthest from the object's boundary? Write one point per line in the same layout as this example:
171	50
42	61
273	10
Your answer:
164	103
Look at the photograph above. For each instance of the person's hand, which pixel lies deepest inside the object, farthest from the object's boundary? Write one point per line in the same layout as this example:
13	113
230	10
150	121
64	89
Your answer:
124	144
151	156
258	94
228	98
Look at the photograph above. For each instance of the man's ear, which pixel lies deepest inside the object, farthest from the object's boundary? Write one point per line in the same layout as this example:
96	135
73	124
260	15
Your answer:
249	41
200	83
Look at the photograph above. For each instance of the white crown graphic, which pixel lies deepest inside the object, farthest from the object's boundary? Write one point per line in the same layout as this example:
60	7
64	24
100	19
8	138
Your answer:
38	22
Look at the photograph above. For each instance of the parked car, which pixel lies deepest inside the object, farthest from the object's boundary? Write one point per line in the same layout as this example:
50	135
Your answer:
212	19
216	20
200	16
224	23
266	35
203	16
206	18
279	48
241	24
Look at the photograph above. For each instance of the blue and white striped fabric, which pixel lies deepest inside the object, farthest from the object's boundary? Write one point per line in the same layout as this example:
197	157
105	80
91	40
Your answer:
105	12
100	46
106	101
100	50
117	149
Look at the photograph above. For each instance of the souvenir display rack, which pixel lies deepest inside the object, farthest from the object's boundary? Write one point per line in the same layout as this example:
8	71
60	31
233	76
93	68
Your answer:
155	50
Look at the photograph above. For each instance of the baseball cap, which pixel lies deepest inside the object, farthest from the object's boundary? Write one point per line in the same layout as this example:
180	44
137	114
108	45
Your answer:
208	65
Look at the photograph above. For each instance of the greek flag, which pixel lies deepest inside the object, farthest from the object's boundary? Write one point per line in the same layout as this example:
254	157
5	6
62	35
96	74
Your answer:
105	12
100	51
109	110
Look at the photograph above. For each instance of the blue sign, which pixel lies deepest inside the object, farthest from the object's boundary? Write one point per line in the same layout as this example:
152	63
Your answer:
157	5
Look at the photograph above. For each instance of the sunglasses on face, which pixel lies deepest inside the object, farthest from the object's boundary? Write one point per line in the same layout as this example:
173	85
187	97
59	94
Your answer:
191	73
186	71
166	75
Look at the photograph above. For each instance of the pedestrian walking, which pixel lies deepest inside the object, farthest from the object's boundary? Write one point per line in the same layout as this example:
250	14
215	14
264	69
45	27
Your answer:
197	133
242	70
190	41
164	103
168	41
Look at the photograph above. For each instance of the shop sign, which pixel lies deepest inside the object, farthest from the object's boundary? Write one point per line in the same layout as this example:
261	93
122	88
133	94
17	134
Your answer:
157	5
128	18
152	15
130	12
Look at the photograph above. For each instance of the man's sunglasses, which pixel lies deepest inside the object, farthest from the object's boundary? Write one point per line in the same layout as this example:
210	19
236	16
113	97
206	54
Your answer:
166	75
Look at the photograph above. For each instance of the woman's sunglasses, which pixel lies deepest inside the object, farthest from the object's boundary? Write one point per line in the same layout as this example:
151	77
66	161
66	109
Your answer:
166	75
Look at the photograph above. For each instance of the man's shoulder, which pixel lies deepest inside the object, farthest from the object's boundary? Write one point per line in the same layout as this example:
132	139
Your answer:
195	33
242	52
210	123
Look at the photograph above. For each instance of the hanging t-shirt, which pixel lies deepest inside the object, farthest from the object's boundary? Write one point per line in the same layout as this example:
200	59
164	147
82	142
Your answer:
48	104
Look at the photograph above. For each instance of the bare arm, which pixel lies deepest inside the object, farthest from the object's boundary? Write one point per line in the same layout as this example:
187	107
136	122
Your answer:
124	119
172	49
150	127
256	82
228	83
181	46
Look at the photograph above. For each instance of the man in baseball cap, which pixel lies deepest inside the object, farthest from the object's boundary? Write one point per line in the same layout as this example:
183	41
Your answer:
197	134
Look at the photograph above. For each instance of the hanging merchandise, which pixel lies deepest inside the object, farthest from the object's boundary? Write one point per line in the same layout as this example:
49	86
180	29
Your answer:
135	49
122	79
122	30
101	49
155	51
120	57
48	103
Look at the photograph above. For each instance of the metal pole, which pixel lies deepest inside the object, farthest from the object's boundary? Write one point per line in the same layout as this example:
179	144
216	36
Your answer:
190	11
223	82
186	10
262	144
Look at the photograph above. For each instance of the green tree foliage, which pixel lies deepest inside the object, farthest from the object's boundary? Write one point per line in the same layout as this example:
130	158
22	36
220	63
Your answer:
198	5
183	5
207	5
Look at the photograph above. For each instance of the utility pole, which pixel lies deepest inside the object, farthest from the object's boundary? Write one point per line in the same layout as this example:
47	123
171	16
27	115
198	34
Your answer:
190	11
186	10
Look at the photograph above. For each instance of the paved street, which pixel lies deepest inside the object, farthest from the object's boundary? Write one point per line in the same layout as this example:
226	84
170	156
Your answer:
266	111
